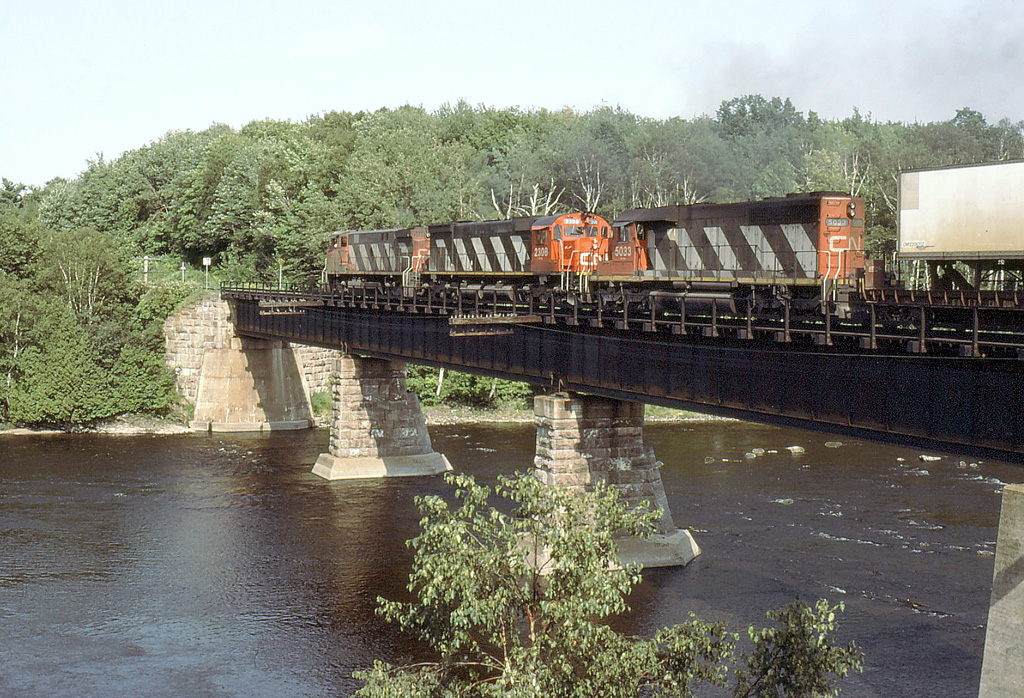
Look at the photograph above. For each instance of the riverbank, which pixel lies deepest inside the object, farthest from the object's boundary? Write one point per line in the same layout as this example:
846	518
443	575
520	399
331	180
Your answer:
125	425
441	415
134	425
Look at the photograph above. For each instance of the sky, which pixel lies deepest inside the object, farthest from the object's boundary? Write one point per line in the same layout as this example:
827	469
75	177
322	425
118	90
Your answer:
83	79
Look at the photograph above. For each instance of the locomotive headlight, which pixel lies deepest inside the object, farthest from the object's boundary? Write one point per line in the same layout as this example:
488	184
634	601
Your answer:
851	209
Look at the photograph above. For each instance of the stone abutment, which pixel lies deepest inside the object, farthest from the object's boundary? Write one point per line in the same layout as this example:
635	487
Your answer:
1002	673
238	383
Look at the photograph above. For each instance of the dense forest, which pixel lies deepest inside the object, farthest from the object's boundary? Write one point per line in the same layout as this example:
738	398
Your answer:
80	326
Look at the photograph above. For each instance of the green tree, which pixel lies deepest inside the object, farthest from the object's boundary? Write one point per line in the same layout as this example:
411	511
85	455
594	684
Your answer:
401	172
769	138
521	175
515	604
457	388
11	193
56	379
19	229
87	269
795	657
195	192
140	379
13	322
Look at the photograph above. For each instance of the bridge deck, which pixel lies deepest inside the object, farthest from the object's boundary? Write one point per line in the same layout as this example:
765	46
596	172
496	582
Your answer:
928	382
906	322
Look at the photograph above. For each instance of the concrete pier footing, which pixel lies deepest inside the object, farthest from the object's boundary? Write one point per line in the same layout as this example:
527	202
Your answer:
250	385
1002	673
377	427
585	439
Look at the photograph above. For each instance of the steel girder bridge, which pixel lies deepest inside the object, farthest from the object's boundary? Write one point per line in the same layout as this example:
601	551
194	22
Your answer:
927	371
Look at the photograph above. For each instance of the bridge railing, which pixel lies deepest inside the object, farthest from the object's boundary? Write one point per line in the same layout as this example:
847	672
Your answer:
268	287
874	326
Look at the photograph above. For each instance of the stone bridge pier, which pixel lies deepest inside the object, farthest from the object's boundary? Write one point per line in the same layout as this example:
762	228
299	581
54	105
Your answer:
238	383
378	430
377	427
586	439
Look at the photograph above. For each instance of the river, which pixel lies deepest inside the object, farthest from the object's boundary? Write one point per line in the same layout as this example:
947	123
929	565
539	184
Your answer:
194	566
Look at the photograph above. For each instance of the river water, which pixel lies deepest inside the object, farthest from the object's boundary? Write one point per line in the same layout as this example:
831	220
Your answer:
195	566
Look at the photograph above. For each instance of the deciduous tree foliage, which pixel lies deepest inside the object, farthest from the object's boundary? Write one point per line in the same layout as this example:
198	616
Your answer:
80	340
272	190
262	200
516	604
456	388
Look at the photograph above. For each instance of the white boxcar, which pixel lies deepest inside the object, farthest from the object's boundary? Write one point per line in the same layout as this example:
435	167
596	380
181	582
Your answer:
974	212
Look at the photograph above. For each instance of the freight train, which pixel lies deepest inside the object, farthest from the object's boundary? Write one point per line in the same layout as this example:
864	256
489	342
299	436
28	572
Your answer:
802	246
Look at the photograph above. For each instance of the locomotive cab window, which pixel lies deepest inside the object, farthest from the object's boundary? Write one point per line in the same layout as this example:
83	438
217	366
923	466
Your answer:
591	231
542	236
605	233
558	232
623	231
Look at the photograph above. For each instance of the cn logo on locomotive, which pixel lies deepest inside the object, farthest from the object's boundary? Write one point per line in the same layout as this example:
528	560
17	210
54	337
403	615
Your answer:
838	243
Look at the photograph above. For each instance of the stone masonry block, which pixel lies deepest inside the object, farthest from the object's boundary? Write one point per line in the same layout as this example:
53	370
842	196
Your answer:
374	414
584	439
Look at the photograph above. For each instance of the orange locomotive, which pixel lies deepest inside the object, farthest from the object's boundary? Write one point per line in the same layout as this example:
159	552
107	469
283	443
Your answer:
797	239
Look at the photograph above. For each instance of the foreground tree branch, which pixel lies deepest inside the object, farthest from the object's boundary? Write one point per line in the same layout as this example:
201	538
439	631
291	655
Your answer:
500	628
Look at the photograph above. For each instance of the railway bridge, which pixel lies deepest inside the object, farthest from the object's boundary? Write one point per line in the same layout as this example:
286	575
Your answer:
942	372
938	369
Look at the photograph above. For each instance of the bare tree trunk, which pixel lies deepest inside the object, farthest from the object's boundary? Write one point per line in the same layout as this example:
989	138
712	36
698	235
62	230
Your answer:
852	174
543	206
505	213
540	201
591	184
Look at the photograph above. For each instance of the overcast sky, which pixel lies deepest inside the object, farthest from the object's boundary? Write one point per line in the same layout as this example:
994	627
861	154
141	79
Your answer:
82	78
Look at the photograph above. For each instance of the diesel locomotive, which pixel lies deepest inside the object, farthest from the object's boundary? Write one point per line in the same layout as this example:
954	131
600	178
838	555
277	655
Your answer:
801	245
490	251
